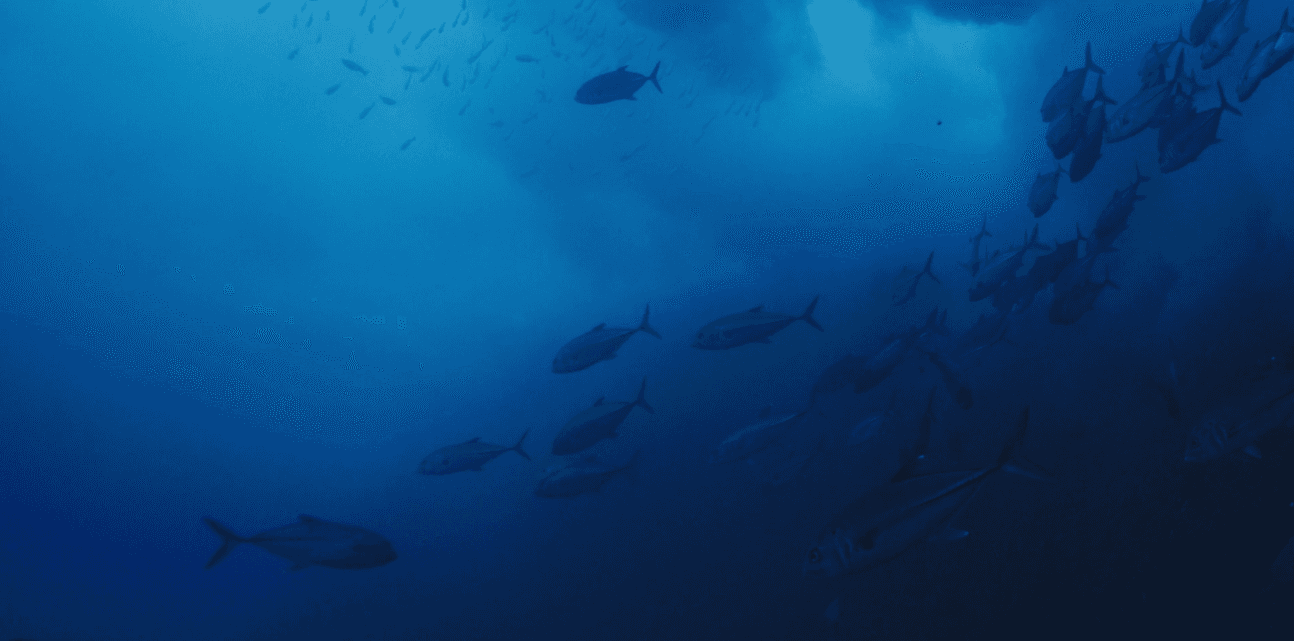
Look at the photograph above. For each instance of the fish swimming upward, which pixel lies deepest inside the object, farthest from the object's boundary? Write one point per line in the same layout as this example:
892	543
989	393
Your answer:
312	541
616	85
597	345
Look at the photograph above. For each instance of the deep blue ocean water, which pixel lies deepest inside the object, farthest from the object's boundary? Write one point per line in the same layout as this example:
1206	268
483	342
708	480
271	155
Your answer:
259	260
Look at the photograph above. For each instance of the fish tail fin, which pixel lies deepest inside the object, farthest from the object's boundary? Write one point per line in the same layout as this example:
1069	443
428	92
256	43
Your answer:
228	540
807	316
1100	93
1008	452
927	271
641	401
918	452
1087	60
1136	167
652	77
517	448
645	326
1108	281
1181	39
1078	231
1226	105
1285	20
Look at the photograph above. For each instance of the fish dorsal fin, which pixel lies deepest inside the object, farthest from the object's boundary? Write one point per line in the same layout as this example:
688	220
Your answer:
766	411
598	326
475	439
306	518
755	310
599	401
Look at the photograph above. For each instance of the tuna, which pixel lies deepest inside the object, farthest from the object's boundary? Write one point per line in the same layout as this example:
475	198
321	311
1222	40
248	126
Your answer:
312	541
597	422
912	291
1268	56
1148	108
1195	136
996	272
470	455
616	85
1069	88
1114	217
1208	17
754	438
1237	424
1068	307
751	326
1224	36
596	345
1049	266
1043	192
1156	58
868	372
581	477
1088	150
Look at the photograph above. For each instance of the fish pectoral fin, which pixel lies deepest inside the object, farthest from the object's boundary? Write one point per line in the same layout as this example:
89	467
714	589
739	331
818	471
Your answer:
1253	451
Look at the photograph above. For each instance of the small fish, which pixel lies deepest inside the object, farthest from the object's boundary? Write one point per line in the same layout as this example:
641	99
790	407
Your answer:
427	75
445	78
975	261
912	291
263	8
616	85
1283	567
363	8
332	90
751	326
1069	88
354	66
480	51
397	49
407	143
405	39
596	345
521	57
470	455
312	541
424	37
310	20
370	23
410	68
387	101
598	422
293	54
442	28
367	109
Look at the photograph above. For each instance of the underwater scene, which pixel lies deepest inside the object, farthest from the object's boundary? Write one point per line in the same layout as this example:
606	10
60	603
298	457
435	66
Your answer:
646	319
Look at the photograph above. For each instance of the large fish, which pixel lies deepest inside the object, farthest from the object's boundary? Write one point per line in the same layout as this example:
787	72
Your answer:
1149	107
1179	116
1195	136
581	477
1224	36
469	455
1268	55
1114	217
751	326
1049	266
1236	424
754	438
888	521
997	272
597	422
1067	132
1208	17
987	331
597	345
1088	150
1069	88
615	85
975	261
866	373
311	541
1043	192
1069	306
1156	58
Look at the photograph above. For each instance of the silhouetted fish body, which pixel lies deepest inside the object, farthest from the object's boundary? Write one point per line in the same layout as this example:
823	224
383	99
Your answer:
1268	55
1065	132
1237	423
1156	58
1206	19
751	326
996	272
1043	192
1151	105
469	455
1224	36
312	541
596	423
1049	266
870	372
1089	149
1114	216
620	84
581	477
597	345
754	438
1195	136
1068	89
1068	307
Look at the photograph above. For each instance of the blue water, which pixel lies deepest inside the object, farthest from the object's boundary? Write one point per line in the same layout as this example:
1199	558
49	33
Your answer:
225	294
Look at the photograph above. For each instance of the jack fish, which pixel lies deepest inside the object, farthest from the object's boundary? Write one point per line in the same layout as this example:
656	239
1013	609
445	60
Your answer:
596	423
751	326
597	345
1268	56
1069	88
468	455
312	541
616	85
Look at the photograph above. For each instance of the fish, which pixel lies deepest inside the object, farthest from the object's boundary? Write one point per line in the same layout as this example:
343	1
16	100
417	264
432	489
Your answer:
1206	19
1068	132
975	260
397	49
445	78
872	424
1114	216
912	291
867	372
1049	266
363	114
522	57
1179	116
310	20
597	345
1195	136
1224	36
1068	307
1156	58
410	68
886	522
1043	192
597	422
405	39
470	455
407	143
332	90
476	55
754	438
263	8
1268	56
1236	424
424	37
354	66
387	101
1088	150
311	541
585	476
1069	88
996	272
751	326
1150	107
615	85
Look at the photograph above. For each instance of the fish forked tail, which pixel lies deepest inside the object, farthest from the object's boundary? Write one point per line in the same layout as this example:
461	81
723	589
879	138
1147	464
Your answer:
652	77
641	401
807	316
926	270
517	448
1226	105
1087	60
1100	93
228	540
645	326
